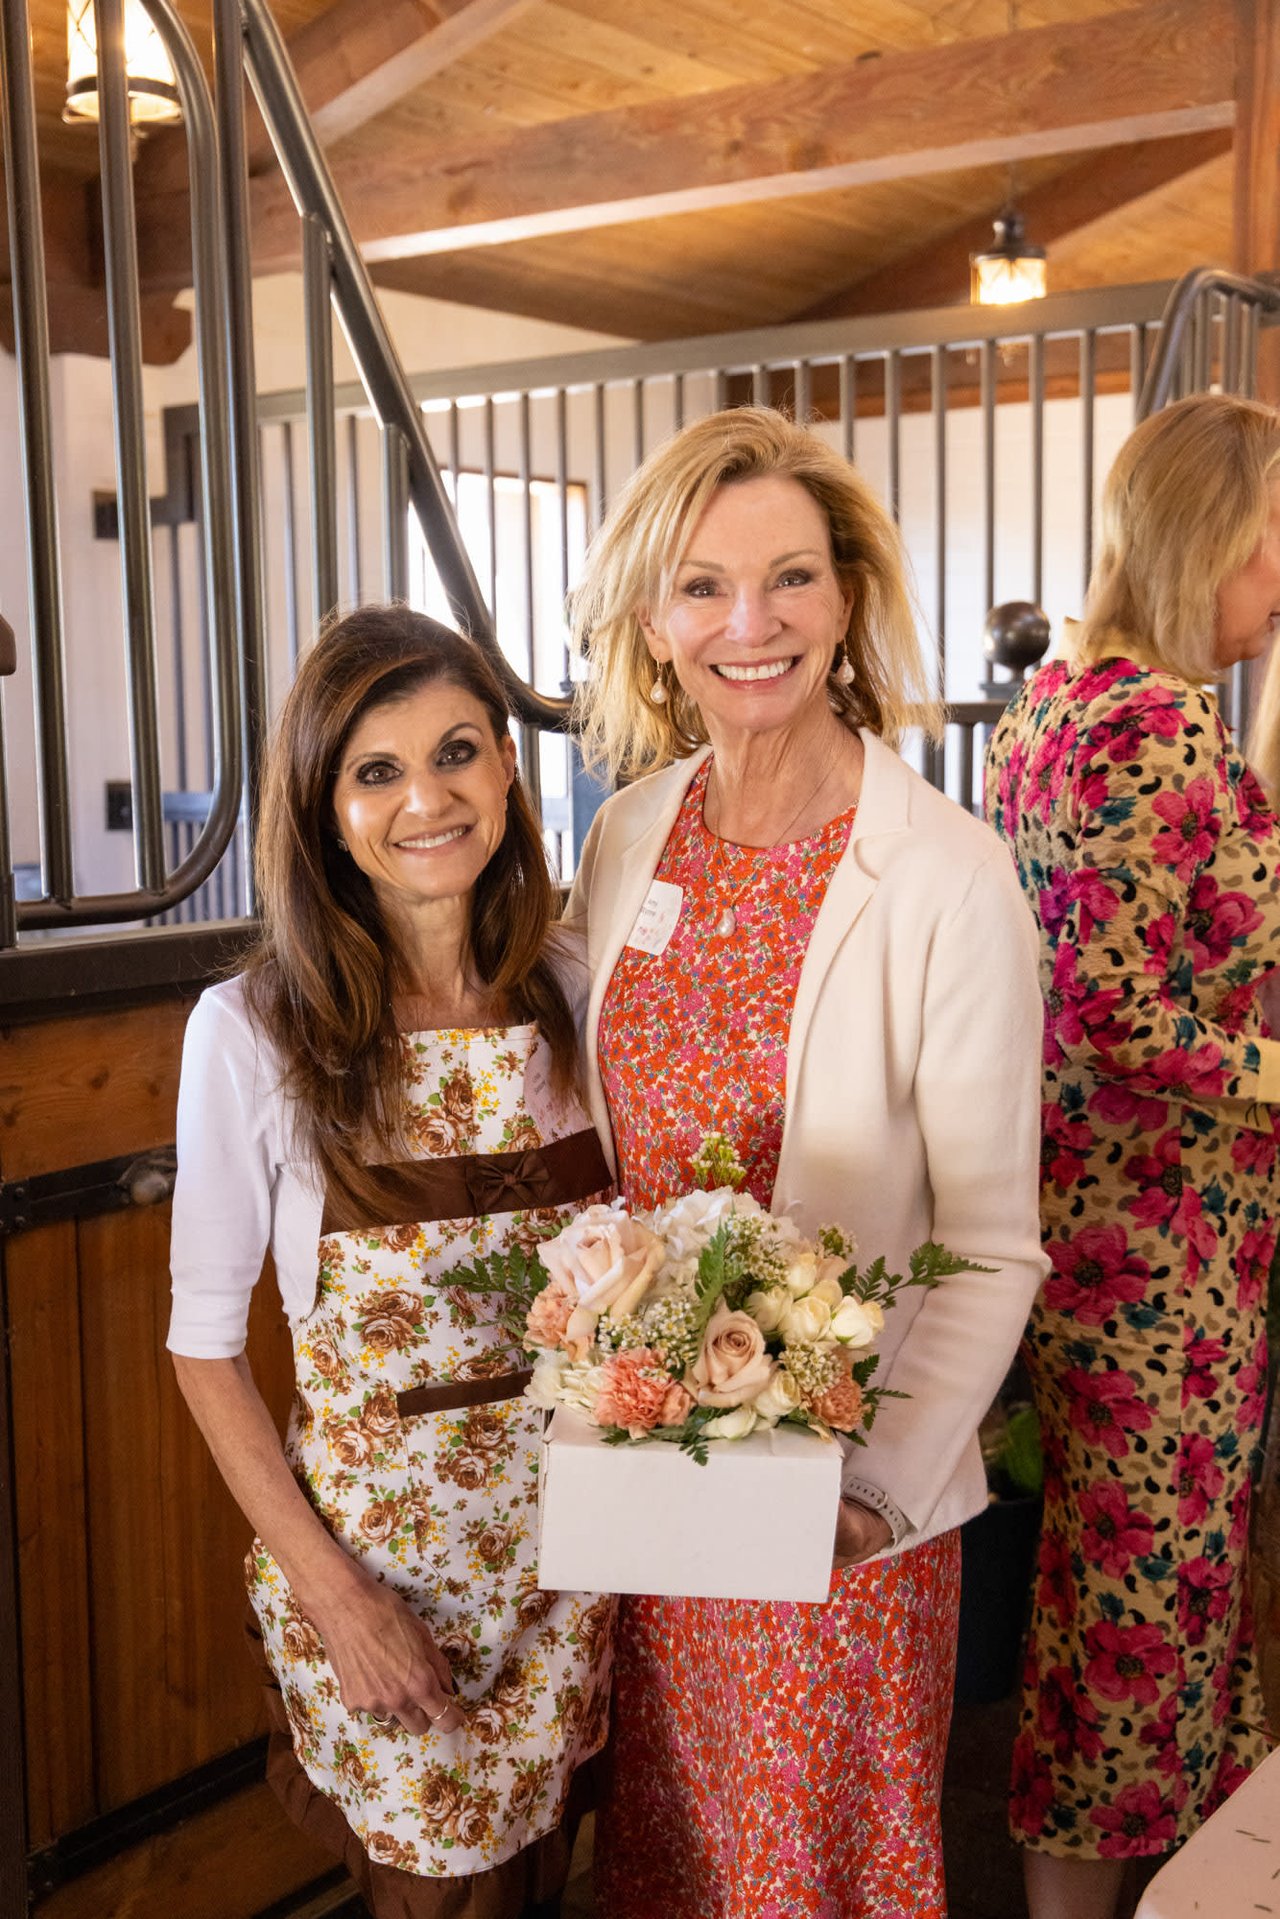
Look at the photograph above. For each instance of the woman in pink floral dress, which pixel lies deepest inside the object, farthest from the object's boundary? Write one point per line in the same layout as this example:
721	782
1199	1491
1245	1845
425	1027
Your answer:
387	1092
1151	859
796	942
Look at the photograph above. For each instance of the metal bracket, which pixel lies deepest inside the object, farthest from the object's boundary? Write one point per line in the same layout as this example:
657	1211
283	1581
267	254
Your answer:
81	1192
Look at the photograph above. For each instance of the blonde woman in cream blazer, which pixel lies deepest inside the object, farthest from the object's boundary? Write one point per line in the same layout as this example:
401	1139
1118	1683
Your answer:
796	941
912	1107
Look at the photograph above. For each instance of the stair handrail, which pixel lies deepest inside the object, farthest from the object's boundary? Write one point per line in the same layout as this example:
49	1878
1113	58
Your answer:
1246	299
382	374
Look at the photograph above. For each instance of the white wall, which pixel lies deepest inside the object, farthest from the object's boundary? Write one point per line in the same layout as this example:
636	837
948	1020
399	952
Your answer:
429	335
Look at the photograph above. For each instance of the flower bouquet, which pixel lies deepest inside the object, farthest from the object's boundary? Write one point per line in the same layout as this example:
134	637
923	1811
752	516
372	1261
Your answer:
704	1319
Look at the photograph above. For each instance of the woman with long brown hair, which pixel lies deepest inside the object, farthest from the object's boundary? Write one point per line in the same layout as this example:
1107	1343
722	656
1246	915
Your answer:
387	1090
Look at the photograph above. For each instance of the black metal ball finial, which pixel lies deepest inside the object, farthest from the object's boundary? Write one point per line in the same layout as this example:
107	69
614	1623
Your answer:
1016	635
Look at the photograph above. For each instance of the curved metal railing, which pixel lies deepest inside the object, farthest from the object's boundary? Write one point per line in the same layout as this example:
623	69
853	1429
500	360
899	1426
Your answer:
156	891
1208	336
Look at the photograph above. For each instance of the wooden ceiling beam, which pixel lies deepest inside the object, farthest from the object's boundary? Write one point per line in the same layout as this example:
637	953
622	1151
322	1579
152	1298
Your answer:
938	275
1149	72
354	61
361	57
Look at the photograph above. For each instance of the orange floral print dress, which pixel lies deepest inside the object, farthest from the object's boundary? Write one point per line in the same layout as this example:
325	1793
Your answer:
443	1507
768	1761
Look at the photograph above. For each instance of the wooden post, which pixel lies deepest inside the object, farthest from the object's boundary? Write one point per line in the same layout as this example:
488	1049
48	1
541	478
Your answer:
1257	168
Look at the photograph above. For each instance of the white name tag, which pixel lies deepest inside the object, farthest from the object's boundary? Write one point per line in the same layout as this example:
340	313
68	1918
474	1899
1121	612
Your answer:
658	918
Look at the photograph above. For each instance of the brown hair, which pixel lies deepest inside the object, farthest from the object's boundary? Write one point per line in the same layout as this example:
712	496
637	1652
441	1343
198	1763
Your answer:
634	557
321	977
1185	505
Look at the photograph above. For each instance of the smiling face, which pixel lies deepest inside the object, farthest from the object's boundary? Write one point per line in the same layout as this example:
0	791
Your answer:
755	610
420	796
1249	599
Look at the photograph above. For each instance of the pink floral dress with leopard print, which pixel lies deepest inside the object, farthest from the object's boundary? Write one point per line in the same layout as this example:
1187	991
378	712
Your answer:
1151	859
768	1761
442	1505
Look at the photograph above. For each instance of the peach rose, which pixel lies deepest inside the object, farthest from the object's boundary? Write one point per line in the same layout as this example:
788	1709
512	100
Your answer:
634	1390
548	1319
733	1365
608	1257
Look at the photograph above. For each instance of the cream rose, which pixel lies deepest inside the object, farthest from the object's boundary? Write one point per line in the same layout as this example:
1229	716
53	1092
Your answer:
733	1365
827	1285
856	1322
802	1274
805	1320
767	1309
607	1256
780	1397
735	1425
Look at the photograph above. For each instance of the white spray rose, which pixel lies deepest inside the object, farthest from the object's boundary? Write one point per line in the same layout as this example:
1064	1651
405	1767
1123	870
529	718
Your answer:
857	1322
734	1425
806	1320
780	1397
827	1288
544	1388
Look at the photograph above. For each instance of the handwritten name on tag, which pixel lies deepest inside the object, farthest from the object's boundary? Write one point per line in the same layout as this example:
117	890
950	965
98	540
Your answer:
658	918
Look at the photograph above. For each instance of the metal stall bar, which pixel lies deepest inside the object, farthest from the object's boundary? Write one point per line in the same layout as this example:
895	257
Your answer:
317	282
1036	395
893	424
1088	395
31	346
120	255
218	549
355	571
289	530
395	511
987	377
276	87
228	55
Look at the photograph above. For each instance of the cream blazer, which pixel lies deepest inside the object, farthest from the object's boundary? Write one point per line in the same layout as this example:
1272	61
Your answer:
912	1093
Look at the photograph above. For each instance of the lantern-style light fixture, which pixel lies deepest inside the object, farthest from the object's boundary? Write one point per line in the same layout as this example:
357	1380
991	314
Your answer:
1010	270
153	91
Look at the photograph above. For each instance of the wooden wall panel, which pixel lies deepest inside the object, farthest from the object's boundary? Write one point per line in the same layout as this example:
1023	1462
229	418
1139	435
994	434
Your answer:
77	1090
131	1550
231	1862
48	1441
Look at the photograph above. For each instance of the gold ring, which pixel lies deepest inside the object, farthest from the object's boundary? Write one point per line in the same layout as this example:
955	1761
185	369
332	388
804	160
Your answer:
436	1717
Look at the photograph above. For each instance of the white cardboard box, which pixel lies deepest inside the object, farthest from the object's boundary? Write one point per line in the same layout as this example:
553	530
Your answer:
756	1522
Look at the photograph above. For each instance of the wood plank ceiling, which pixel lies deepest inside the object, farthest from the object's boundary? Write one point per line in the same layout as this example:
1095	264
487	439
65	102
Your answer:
541	106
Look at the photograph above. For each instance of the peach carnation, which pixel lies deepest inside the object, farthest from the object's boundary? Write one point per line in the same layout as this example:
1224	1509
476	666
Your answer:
633	1390
548	1317
677	1405
841	1404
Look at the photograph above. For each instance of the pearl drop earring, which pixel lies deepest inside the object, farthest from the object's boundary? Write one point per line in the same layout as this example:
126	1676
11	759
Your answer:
658	693
844	672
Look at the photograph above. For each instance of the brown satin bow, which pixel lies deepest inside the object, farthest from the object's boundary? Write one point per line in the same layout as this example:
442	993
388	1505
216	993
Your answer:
508	1185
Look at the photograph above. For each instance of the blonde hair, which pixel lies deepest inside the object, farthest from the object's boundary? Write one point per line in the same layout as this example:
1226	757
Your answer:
1185	505
634	557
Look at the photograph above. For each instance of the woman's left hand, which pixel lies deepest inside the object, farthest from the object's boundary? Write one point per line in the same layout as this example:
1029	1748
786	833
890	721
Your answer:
859	1534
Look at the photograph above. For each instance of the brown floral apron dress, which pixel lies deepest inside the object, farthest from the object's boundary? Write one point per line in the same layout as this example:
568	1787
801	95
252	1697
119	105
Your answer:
412	1443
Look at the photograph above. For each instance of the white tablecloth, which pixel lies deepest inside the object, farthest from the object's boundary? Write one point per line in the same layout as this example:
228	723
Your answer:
1232	1865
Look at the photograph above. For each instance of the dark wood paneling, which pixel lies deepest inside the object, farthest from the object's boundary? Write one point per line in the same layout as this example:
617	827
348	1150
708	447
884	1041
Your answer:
231	1862
130	1558
47	1401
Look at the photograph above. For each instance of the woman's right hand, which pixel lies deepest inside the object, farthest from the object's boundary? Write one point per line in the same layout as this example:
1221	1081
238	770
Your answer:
384	1657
